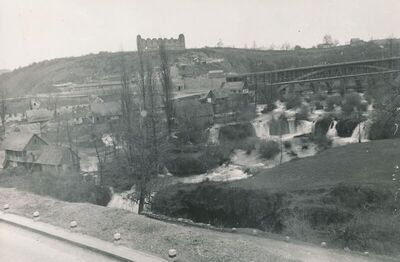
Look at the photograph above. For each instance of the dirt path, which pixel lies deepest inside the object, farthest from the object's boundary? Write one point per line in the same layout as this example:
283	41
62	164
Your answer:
156	237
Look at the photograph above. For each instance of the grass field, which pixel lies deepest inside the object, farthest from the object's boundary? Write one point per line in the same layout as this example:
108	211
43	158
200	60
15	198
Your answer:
366	163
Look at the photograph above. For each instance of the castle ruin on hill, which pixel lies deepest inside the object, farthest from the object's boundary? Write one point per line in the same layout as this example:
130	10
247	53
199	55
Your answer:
149	44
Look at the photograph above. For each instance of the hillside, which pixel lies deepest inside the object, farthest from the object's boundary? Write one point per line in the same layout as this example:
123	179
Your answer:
39	77
156	237
366	163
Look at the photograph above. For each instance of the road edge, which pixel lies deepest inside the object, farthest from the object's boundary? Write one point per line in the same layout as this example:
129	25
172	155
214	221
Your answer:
109	249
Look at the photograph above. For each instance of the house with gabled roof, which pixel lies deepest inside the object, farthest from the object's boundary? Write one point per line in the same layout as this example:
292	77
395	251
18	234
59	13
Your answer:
54	158
102	112
34	153
22	149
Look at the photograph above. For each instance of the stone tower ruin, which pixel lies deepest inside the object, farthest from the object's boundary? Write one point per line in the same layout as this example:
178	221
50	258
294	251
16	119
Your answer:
153	44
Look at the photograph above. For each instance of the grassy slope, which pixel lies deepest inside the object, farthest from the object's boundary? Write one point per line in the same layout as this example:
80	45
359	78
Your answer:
192	244
366	163
39	77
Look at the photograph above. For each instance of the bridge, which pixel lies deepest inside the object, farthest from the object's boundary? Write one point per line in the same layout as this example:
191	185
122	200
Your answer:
276	81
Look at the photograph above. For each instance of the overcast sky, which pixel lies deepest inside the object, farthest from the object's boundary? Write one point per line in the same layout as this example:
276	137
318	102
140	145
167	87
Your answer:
35	30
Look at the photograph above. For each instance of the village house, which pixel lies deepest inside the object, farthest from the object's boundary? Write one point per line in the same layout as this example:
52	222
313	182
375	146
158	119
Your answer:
200	114
39	115
34	153
54	158
227	100
103	112
22	149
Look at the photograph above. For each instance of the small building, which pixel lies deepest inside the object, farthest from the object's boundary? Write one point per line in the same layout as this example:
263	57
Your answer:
216	74
54	158
40	115
22	149
107	111
200	114
34	153
356	42
229	99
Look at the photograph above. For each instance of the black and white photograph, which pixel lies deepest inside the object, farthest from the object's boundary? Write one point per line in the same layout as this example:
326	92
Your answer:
199	130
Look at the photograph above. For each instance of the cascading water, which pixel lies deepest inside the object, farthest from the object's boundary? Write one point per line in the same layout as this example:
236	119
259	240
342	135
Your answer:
292	126
360	133
332	132
213	137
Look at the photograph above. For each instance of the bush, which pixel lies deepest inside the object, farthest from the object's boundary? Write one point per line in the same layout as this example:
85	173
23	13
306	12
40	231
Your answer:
293	102
322	126
206	158
345	127
248	145
353	101
65	186
269	149
332	101
319	106
222	206
303	112
237	131
321	141
287	144
269	108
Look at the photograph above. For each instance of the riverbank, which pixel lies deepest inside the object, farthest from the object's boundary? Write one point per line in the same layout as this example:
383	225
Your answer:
344	195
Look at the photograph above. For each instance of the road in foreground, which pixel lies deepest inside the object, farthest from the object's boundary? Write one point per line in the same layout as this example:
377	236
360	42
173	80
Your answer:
20	245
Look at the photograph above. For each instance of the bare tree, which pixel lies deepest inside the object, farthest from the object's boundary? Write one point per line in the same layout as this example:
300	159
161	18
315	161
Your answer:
3	109
167	87
142	130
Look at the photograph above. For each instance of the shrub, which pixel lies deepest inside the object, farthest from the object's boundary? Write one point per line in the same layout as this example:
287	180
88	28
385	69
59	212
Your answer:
222	206
321	141
333	100
303	112
248	145
318	106
269	108
287	144
65	186
322	126
352	101
237	131
345	127
269	149
293	102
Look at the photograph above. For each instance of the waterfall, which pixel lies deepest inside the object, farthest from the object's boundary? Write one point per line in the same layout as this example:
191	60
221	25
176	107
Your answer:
360	132
213	136
292	126
261	128
332	132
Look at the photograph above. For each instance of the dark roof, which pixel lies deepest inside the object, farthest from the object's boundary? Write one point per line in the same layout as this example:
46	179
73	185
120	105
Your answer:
106	109
53	155
17	141
233	86
220	93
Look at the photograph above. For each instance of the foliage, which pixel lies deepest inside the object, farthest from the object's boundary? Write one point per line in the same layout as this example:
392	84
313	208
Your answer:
346	126
351	102
268	108
303	112
293	101
332	101
269	149
321	141
221	206
237	131
322	126
67	186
